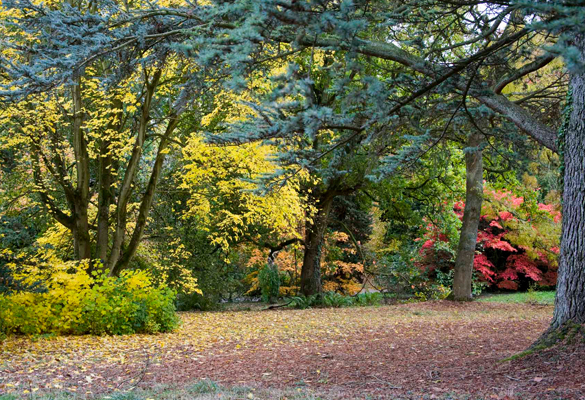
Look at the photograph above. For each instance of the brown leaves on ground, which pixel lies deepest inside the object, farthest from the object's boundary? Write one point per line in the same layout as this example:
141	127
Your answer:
404	351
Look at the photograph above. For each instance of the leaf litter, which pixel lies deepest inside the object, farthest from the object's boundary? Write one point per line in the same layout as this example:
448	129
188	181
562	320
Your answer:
400	351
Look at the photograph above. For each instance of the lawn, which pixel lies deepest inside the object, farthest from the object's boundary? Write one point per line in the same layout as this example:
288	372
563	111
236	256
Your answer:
439	350
532	297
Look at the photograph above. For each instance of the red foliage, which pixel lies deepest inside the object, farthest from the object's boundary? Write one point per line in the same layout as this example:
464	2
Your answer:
495	224
555	249
510	285
484	266
524	265
428	244
509	274
552	210
491	241
503	260
506	215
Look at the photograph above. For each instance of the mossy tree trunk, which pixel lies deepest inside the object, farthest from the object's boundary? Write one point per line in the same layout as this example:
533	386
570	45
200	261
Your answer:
570	297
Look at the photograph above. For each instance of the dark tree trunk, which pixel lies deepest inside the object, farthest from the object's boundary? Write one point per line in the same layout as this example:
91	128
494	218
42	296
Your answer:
104	201
81	237
105	195
271	265
471	216
570	298
314	233
81	196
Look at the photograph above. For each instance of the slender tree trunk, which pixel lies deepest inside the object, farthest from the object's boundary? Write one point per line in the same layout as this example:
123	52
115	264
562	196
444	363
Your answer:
314	233
570	297
147	199
271	264
81	202
471	216
105	195
131	170
104	201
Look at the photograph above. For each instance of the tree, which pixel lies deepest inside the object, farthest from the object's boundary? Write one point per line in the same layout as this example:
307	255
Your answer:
471	215
87	132
335	32
430	47
570	298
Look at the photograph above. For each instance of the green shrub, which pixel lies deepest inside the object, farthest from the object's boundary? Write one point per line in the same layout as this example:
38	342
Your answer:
336	300
369	299
76	302
269	281
196	301
303	302
204	386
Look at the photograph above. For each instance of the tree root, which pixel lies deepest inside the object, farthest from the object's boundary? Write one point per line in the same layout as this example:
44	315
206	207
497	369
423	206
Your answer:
568	334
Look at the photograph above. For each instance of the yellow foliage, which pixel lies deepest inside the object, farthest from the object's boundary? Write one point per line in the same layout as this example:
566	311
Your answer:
73	301
287	291
224	197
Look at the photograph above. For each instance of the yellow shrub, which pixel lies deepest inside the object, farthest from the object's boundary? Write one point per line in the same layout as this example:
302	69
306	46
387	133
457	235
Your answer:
75	302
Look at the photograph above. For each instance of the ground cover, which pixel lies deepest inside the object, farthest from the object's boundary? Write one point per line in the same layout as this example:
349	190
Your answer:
531	297
433	350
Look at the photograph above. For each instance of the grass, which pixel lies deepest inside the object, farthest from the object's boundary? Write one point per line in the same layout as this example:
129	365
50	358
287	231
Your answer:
530	297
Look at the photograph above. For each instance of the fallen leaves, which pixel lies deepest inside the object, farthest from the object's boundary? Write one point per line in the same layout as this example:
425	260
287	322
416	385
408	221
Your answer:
324	348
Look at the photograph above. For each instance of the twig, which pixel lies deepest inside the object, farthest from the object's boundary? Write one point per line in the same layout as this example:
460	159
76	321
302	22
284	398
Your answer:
274	306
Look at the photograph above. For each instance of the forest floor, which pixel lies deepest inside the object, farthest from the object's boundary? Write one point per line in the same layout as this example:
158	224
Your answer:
440	350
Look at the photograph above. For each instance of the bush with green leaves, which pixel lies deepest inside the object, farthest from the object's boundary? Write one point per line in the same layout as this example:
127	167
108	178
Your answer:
269	282
369	299
303	302
335	300
76	302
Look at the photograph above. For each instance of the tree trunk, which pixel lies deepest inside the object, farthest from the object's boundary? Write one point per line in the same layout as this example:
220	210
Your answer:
105	195
104	201
471	216
80	211
127	185
271	265
81	235
570	298
314	233
147	199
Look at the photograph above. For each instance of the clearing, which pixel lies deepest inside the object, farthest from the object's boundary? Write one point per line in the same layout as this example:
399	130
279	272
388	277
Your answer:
434	349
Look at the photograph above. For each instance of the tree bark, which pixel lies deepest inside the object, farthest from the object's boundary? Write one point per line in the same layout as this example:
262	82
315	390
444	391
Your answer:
471	216
147	199
105	195
128	183
314	233
81	235
570	297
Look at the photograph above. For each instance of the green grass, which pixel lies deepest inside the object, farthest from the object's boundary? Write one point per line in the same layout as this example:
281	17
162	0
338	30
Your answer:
530	297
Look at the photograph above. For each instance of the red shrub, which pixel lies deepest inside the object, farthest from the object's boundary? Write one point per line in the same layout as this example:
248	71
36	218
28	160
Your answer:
517	242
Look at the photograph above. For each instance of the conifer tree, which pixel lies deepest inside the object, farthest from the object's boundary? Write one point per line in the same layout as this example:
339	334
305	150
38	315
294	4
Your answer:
430	48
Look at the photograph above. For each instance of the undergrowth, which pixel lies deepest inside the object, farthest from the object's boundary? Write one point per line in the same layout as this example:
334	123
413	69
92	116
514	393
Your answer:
335	300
